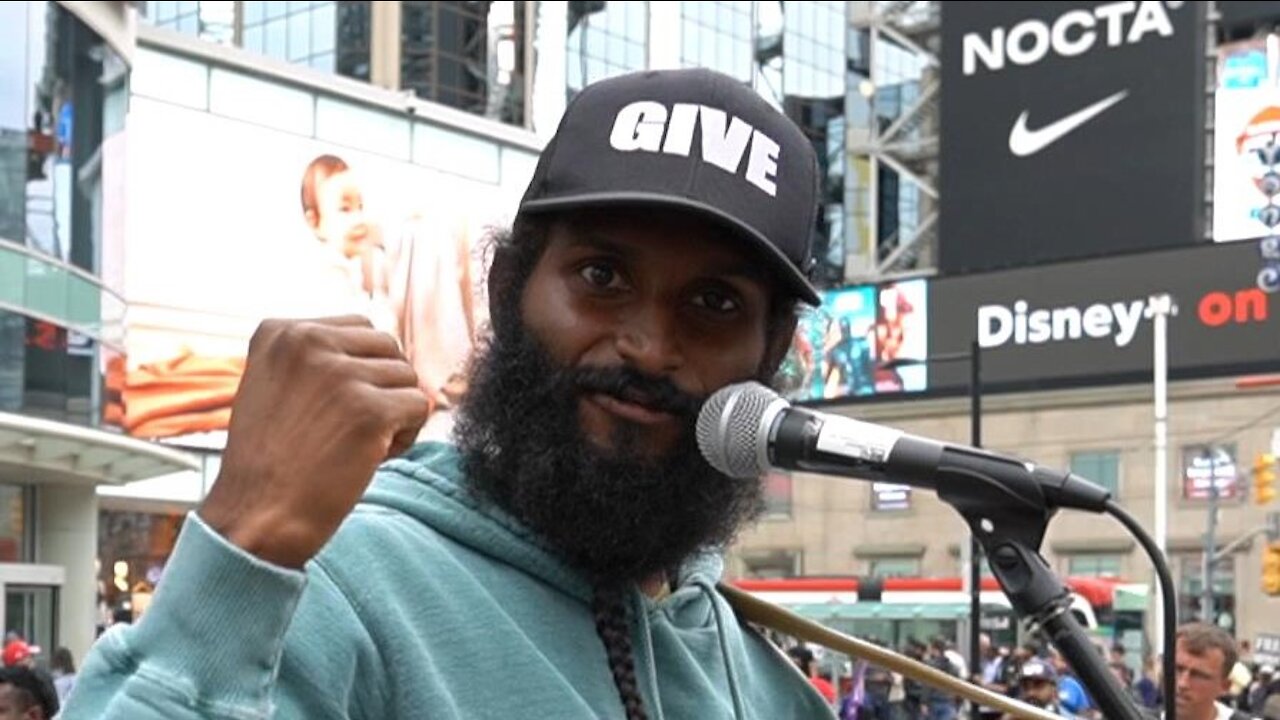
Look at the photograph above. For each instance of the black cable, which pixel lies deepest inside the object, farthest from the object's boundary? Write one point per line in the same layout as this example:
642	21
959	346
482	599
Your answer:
1169	672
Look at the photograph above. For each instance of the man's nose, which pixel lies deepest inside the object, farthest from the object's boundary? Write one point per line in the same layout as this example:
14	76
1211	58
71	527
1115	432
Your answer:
649	340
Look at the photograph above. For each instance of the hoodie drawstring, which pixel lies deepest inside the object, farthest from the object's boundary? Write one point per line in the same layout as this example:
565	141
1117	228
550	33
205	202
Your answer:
650	663
734	692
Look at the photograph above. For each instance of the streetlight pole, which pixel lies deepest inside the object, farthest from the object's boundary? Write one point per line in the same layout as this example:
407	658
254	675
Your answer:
971	554
1161	307
975	549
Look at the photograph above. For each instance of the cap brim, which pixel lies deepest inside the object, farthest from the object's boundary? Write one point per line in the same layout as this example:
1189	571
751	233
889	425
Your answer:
795	280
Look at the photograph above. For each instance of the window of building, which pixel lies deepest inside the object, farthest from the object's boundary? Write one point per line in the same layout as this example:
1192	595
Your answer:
15	527
777	495
1200	462
605	39
892	567
1094	564
181	16
1190	569
717	35
771	563
1101	467
328	36
213	21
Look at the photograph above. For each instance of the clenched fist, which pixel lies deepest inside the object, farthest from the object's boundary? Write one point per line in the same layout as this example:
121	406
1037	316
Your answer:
321	404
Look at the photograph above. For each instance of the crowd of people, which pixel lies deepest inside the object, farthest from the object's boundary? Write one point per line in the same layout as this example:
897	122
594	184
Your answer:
33	687
1216	681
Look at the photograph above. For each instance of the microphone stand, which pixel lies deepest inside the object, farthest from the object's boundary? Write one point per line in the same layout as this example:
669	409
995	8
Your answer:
1010	523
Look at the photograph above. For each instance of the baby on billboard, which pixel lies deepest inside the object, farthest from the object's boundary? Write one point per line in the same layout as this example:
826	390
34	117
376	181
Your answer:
414	283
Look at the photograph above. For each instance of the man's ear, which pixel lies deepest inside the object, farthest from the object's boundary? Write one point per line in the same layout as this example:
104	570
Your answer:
312	217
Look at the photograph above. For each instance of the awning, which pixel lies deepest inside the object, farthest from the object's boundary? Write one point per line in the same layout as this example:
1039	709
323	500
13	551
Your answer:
1130	597
37	451
885	611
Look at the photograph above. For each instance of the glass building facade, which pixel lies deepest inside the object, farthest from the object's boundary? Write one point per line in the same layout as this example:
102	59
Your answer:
800	65
62	104
466	55
718	35
605	39
328	36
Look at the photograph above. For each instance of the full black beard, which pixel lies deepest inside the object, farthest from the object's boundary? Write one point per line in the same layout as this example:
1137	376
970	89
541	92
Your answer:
617	516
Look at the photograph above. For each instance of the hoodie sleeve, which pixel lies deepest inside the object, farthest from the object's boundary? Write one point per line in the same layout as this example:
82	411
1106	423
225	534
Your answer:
229	636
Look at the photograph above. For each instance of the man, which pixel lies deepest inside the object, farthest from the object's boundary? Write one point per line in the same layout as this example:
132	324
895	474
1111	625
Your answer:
939	705
1205	654
1038	686
803	657
1071	692
994	668
570	543
25	696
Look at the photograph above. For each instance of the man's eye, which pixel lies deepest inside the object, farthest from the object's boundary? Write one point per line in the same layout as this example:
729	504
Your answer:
599	275
716	301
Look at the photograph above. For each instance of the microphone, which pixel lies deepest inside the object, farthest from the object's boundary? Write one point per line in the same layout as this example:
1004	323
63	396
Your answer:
745	430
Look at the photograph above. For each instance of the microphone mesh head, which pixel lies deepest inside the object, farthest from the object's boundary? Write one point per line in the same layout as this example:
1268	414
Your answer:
729	429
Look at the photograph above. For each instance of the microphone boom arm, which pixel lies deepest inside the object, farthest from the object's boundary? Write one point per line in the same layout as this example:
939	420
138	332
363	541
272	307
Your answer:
1010	523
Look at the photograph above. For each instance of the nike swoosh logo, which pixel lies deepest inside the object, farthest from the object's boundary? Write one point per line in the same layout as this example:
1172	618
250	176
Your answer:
1024	141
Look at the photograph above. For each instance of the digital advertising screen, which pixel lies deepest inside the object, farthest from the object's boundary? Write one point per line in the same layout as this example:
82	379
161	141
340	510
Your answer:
863	340
230	223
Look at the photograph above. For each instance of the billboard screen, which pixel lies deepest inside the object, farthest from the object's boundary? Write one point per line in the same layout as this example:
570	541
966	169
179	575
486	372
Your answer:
1246	187
863	340
1088	321
229	223
1069	130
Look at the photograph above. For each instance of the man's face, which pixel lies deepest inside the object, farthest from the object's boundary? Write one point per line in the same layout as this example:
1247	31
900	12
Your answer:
340	209
670	300
581	421
1039	691
1201	680
12	706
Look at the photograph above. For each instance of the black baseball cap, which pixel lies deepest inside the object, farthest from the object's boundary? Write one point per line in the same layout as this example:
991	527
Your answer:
691	139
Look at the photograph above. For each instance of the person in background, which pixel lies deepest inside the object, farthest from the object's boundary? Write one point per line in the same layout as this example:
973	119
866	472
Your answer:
1148	685
24	695
1071	693
1117	653
1256	694
63	668
992	672
1205	654
1038	686
802	656
18	653
913	691
939	705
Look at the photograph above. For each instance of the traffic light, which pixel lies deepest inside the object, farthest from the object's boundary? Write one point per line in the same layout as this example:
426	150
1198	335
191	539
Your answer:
1264	478
1271	569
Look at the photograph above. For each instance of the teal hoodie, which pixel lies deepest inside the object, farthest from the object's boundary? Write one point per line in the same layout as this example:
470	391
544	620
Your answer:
425	604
